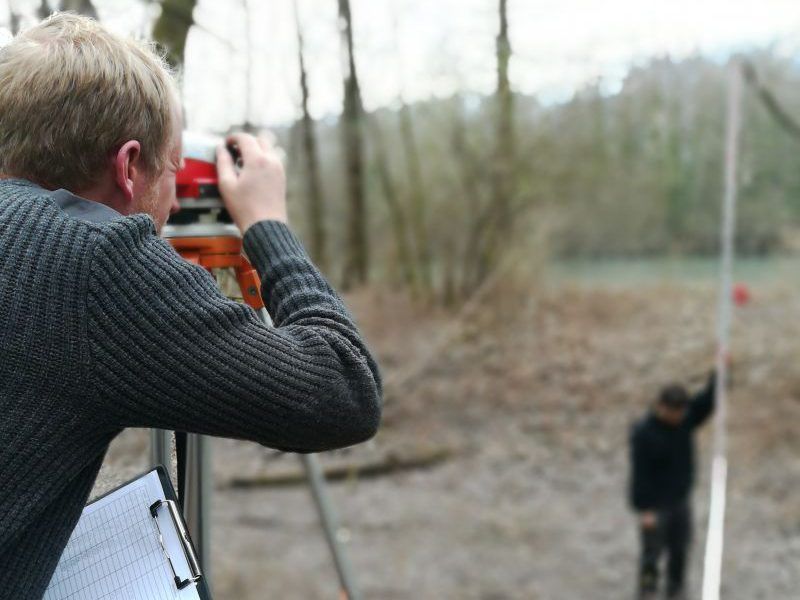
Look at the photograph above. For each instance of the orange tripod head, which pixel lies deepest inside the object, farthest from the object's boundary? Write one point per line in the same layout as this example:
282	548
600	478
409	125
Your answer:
217	246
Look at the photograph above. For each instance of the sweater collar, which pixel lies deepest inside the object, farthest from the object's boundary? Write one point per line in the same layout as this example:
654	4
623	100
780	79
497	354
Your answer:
19	181
73	205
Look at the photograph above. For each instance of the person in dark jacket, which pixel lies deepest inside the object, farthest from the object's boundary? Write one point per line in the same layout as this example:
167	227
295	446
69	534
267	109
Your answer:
103	325
662	474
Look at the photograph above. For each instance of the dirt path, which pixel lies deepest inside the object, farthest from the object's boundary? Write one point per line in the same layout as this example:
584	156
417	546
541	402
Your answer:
532	505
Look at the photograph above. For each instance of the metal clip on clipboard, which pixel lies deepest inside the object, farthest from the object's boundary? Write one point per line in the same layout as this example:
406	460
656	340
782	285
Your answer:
186	544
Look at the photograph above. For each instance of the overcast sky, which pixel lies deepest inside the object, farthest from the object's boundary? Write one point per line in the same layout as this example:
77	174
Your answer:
431	47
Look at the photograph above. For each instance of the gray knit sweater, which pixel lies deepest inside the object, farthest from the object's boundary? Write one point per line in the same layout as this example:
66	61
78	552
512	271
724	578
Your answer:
104	326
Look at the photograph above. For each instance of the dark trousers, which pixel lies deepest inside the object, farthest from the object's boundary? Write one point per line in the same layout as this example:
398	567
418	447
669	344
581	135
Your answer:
672	534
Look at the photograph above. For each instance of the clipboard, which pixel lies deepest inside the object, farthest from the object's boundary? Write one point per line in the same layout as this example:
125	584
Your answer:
130	543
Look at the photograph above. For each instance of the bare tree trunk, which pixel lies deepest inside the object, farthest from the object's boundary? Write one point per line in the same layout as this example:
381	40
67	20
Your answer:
505	116
397	216
419	200
356	268
172	28
502	167
473	182
248	126
43	11
13	20
316	209
83	7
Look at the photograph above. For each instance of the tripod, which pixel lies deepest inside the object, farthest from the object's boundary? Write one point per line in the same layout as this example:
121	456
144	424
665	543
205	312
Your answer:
217	246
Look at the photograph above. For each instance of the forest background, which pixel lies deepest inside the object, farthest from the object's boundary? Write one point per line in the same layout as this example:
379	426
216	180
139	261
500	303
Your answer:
520	201
432	195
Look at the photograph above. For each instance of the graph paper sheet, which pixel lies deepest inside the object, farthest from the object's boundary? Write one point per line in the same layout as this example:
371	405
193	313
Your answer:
115	553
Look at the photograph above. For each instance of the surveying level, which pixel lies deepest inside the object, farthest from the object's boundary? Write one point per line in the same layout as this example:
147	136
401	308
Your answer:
203	233
196	182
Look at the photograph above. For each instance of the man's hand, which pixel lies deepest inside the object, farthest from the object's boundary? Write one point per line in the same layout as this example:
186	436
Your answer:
256	191
648	519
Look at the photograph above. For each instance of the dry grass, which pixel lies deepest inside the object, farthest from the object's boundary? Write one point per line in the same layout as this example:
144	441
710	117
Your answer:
538	400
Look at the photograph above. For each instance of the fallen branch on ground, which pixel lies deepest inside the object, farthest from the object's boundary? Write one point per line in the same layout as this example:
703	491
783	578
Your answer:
390	462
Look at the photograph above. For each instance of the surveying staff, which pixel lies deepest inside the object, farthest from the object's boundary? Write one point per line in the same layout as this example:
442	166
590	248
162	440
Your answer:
104	326
662	474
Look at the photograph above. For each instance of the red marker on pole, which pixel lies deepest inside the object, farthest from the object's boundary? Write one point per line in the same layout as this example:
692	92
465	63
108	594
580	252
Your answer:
741	294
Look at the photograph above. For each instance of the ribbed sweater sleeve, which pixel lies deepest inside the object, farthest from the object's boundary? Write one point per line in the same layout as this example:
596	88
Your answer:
168	350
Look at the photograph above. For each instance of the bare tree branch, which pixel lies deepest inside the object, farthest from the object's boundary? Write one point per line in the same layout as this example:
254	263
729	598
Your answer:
774	108
172	28
83	7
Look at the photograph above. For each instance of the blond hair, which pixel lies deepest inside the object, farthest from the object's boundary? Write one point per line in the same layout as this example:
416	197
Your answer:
71	93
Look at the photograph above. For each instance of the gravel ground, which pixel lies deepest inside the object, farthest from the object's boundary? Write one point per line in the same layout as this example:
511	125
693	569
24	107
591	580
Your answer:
532	503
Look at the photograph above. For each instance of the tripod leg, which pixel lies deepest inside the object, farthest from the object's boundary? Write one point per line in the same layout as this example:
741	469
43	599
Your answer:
327	516
161	448
196	498
180	455
194	484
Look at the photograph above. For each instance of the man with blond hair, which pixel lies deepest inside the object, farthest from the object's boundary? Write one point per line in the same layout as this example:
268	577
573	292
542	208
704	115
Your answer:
103	326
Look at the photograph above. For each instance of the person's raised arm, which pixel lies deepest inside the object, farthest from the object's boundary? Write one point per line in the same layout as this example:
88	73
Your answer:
702	404
168	350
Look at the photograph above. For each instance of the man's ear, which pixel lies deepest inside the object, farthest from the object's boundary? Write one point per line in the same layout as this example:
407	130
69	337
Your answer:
128	168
